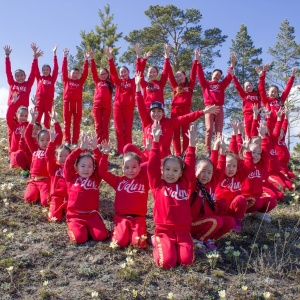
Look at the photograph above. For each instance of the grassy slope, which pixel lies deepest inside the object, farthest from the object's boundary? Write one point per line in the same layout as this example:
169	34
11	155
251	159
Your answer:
40	253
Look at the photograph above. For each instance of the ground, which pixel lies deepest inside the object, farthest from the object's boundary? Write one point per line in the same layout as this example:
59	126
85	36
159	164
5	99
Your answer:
38	262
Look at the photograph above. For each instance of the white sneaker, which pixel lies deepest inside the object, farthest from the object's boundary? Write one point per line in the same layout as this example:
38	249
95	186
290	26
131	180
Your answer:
262	216
67	144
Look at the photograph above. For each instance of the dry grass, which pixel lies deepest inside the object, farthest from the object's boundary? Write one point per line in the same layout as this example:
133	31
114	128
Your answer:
46	266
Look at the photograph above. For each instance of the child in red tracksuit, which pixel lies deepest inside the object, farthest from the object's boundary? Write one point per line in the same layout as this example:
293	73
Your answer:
249	97
182	102
167	125
214	94
39	183
130	199
170	186
81	172
102	100
45	90
55	158
274	168
283	151
259	203
123	103
153	90
73	88
16	124
207	223
273	101
19	88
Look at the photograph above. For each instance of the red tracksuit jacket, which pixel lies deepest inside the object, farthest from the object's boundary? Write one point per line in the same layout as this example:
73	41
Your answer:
171	200
182	95
131	194
46	84
167	125
73	88
125	89
213	92
157	91
56	172
102	94
83	192
23	89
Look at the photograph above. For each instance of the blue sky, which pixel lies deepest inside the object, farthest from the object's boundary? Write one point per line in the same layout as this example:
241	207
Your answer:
60	21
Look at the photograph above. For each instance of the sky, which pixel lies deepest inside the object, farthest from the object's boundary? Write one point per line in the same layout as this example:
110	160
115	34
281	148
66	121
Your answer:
60	21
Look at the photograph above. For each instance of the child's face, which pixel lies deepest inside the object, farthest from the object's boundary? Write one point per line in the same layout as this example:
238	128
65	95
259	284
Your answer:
124	73
273	92
74	74
171	171
152	73
248	87
61	156
256	152
44	139
216	76
22	116
20	77
204	172
46	71
156	114
85	167
231	166
180	77
131	168
35	131
103	74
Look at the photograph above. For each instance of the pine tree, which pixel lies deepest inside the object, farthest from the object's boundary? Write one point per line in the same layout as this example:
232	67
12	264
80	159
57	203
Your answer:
247	60
286	55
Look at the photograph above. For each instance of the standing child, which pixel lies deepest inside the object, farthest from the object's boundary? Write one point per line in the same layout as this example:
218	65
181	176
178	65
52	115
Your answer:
73	88
45	90
102	100
207	225
214	94
55	158
123	102
130	199
182	102
83	179
153	89
170	185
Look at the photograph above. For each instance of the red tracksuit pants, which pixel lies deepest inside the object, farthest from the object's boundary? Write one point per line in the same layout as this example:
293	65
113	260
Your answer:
237	207
173	247
58	205
211	227
130	230
263	203
213	124
72	109
280	181
272	191
248	120
177	111
20	159
123	119
82	225
44	106
286	171
37	189
101	113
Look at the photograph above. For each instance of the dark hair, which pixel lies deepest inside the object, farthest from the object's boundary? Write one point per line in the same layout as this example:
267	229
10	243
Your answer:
75	69
38	125
254	89
41	132
108	82
83	155
215	70
150	85
278	97
61	148
19	70
22	108
132	155
126	69
179	89
46	66
175	158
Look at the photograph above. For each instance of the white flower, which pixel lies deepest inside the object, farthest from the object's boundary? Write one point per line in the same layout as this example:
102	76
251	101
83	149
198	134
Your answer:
244	287
228	243
10	235
222	294
114	244
45	283
4	230
94	294
143	237
53	219
170	296
10	269
236	253
130	261
123	266
265	247
134	293
266	295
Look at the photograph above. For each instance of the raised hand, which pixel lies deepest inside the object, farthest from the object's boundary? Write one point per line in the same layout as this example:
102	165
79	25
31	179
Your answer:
279	113
138	50
91	54
147	54
84	142
192	134
15	97
262	129
156	131
7	50
234	125
22	131
53	135
240	125
66	52
294	70
138	78
266	67
54	49
148	145
34	47
256	111
267	113
211	109
105	146
34	100
34	114
53	116
108	52
259	71
233	59
93	141
197	53
167	49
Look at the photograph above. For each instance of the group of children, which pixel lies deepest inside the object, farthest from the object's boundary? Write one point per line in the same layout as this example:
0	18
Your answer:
194	203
